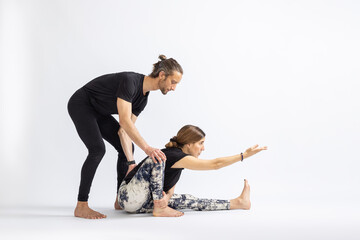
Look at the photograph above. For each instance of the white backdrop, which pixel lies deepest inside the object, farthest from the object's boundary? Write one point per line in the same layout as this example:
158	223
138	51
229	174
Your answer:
279	73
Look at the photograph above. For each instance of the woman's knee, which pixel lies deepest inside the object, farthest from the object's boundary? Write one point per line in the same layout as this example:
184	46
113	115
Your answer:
149	161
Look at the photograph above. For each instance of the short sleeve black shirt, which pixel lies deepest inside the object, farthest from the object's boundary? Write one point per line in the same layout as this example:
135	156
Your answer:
104	91
172	175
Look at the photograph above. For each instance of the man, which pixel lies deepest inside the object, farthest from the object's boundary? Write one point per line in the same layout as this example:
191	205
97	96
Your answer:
126	94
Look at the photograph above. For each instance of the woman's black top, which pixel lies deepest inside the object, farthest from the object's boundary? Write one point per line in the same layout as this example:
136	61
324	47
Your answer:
172	175
104	91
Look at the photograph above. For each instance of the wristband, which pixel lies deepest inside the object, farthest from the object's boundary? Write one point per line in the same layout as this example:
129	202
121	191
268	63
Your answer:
130	162
242	157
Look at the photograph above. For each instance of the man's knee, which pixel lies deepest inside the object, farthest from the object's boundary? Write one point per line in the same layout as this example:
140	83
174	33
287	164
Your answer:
97	152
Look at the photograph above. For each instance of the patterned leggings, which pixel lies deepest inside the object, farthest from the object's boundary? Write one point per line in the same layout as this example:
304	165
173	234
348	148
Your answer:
147	185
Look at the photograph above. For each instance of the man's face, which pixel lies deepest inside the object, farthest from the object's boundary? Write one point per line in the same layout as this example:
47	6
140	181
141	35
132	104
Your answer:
170	82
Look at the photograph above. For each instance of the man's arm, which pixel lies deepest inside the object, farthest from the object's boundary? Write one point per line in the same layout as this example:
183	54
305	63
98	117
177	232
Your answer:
126	144
126	141
127	125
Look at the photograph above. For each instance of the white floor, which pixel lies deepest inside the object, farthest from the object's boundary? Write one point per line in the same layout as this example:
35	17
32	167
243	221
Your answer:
261	222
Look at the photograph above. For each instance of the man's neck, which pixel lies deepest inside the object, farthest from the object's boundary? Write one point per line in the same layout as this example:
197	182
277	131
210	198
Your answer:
150	84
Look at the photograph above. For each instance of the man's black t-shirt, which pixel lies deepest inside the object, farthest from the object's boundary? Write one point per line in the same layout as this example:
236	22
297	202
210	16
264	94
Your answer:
104	91
172	175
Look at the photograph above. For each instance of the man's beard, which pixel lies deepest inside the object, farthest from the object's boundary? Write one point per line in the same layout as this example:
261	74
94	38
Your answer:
164	91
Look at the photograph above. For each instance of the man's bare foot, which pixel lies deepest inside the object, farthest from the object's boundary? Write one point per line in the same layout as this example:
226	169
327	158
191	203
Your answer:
82	210
243	201
166	212
116	205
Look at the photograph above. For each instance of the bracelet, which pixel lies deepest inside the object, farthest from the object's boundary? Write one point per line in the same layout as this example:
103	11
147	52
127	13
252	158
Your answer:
130	162
242	157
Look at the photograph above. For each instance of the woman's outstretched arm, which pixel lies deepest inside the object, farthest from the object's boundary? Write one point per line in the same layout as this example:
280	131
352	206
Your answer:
193	163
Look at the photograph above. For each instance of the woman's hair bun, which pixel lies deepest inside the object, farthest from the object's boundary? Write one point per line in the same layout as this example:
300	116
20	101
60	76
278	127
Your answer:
171	144
162	57
173	139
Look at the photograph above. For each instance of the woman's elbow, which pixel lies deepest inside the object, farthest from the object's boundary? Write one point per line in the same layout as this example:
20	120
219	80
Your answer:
216	166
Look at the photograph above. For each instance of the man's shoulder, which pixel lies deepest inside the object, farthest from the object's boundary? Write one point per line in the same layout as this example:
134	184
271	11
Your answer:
130	75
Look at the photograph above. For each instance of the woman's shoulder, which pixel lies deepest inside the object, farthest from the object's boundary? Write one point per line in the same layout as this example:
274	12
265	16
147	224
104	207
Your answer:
174	153
172	150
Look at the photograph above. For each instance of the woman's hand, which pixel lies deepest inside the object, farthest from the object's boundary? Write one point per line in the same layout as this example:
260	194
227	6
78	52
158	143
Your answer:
162	203
253	150
156	154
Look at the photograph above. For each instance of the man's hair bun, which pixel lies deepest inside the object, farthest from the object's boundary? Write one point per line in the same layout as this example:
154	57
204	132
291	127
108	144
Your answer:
162	57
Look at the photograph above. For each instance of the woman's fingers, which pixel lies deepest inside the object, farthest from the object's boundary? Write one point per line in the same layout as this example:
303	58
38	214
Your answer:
257	145
261	148
256	148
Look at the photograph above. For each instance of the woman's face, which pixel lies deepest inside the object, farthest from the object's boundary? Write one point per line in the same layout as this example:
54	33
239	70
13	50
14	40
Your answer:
196	148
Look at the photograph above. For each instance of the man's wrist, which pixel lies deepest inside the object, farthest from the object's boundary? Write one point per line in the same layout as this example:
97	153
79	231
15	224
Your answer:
146	149
130	162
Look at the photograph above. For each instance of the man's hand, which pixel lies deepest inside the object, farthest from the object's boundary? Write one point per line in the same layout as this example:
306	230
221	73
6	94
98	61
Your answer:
253	150
156	154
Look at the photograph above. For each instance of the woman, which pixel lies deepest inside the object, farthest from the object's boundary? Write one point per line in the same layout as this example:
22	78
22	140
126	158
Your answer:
149	187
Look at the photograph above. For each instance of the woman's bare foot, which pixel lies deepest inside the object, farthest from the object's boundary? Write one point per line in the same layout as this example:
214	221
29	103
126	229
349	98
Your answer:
116	205
166	212
243	201
82	210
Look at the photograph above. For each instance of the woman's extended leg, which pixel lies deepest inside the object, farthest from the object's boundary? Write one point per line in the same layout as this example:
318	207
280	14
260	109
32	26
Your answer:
146	186
187	201
243	201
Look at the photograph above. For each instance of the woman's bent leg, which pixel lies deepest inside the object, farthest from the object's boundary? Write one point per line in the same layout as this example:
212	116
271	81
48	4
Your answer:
187	201
146	185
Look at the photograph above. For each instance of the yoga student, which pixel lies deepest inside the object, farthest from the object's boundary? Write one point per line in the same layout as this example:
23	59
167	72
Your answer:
125	94
149	187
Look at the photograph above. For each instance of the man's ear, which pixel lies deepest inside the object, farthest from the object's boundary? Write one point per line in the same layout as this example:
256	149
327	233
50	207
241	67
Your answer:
162	75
